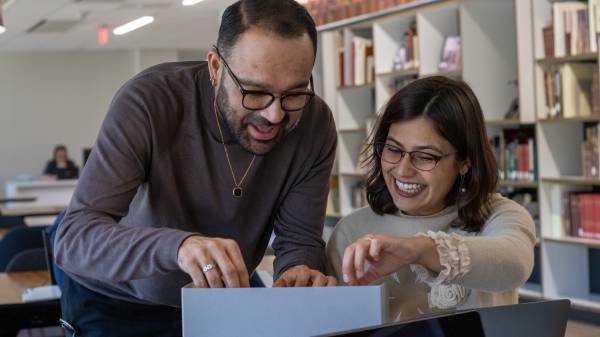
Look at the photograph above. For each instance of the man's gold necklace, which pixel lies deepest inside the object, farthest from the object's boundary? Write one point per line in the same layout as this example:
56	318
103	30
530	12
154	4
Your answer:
237	190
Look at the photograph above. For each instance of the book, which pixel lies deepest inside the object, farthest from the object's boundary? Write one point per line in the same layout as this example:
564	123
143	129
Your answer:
595	91
570	27
575	215
450	57
333	198
566	214
548	34
516	156
576	89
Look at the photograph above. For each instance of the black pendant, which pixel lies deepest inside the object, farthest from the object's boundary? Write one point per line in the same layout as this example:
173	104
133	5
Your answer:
237	192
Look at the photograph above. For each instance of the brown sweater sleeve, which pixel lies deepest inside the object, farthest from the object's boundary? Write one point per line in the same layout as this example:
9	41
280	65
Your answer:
89	240
300	219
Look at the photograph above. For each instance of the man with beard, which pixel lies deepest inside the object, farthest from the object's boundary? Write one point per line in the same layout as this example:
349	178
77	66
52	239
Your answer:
195	165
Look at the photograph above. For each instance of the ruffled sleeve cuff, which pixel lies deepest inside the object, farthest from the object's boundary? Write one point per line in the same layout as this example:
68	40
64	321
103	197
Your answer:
454	256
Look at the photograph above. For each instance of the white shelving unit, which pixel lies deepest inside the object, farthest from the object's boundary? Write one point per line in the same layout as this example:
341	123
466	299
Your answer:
566	263
501	45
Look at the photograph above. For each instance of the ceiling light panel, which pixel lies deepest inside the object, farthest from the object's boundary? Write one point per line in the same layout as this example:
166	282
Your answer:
46	26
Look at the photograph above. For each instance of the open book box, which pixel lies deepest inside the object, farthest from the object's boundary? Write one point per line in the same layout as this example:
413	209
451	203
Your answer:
281	311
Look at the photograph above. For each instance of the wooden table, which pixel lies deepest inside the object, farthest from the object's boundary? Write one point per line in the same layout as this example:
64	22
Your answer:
32	210
17	199
11	284
16	315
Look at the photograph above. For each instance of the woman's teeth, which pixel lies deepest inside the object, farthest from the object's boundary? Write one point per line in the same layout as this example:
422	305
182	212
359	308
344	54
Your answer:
409	188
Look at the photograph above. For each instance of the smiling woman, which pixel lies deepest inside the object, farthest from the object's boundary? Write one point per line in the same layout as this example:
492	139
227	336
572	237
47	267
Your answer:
430	188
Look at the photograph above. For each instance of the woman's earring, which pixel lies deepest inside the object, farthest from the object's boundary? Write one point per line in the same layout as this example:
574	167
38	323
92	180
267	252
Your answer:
463	189
213	82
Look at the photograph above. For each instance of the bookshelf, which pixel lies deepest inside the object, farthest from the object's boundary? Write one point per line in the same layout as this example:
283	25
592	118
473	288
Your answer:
502	44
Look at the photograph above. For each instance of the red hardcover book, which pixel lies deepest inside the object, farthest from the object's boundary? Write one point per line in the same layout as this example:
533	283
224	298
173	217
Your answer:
585	206
596	215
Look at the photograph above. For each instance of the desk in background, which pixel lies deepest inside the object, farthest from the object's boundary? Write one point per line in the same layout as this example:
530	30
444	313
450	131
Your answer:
32	210
21	199
16	315
51	198
46	192
11	284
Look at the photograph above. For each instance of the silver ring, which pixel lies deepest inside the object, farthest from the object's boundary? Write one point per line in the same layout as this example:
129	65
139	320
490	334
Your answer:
369	239
208	267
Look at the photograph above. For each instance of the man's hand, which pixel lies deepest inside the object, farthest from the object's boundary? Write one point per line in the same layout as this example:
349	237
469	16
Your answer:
197	252
302	276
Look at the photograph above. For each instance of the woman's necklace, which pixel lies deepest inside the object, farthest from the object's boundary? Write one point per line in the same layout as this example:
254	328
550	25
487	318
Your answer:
237	190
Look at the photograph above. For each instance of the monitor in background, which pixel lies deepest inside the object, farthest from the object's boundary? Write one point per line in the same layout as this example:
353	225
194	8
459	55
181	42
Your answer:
68	173
86	154
463	324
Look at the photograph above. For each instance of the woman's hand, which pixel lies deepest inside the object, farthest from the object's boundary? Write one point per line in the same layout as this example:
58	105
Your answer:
387	254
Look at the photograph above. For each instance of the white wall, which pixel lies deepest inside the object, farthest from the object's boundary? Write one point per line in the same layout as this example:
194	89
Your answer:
59	98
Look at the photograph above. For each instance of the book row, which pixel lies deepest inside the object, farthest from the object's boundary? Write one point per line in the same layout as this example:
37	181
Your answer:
572	90
327	11
581	216
589	147
515	153
572	30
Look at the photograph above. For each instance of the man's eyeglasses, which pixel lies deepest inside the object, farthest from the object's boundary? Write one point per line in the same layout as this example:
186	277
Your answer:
259	100
420	160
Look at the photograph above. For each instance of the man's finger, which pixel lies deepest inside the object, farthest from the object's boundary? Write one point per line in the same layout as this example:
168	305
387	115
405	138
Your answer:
302	275
279	283
235	256
318	279
198	277
331	281
213	275
228	272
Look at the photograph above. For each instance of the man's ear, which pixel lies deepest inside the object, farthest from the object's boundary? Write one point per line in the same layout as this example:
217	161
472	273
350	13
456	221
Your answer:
465	166
214	66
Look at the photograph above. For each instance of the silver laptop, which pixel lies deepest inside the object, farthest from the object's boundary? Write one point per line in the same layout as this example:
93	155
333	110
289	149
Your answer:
460	324
534	319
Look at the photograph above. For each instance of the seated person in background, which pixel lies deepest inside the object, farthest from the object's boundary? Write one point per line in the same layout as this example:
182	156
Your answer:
435	231
60	163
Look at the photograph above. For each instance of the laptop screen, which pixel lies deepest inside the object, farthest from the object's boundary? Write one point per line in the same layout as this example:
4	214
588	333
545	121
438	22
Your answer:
67	173
464	324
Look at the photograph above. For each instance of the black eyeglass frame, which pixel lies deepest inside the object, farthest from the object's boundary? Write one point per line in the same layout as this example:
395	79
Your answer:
310	94
380	146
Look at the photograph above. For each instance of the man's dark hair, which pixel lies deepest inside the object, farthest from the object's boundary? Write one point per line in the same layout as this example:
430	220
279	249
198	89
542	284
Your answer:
284	18
59	147
454	112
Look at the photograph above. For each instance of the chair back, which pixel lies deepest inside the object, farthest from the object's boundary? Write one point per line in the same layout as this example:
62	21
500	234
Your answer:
18	239
11	221
28	260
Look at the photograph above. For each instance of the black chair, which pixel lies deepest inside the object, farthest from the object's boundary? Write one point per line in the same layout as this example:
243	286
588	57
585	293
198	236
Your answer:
28	260
11	221
19	239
